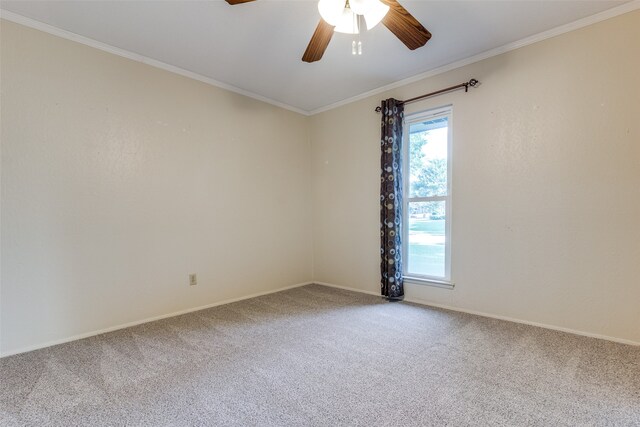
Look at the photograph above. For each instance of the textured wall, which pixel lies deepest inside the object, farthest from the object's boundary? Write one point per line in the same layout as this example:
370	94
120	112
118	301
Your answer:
546	171
119	179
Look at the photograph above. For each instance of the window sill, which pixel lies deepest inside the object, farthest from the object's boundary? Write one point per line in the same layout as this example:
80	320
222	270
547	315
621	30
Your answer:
429	282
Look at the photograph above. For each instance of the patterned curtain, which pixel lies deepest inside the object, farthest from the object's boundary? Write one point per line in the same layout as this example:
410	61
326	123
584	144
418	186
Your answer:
391	200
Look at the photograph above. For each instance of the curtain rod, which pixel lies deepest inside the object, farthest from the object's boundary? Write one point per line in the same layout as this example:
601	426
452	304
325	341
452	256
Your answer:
465	85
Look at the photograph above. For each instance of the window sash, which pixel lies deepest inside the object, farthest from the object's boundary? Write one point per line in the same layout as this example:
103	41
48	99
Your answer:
428	199
409	120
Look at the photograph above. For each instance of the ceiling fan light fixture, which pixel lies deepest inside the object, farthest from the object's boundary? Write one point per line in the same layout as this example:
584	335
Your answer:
336	13
347	23
361	7
331	11
375	13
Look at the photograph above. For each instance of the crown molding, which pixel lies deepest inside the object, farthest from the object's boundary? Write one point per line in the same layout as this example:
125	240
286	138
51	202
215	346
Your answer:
584	22
50	29
589	20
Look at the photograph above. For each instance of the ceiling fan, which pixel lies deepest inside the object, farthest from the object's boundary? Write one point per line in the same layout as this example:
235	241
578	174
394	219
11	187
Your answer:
336	15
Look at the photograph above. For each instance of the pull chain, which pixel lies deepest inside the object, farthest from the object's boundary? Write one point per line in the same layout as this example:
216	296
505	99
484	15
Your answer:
356	47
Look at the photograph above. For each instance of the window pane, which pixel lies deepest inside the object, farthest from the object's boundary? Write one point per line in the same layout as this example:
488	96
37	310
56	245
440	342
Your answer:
428	158
426	239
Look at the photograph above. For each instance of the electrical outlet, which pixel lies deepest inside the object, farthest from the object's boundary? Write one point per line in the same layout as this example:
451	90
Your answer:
193	279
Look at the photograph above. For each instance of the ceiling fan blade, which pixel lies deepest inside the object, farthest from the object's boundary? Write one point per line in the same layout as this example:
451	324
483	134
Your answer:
232	2
405	26
319	42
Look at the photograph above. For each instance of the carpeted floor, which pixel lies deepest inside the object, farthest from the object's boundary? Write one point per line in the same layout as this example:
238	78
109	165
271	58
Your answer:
321	356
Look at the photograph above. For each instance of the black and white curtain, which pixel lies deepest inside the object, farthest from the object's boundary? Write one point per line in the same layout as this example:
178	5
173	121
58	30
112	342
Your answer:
391	285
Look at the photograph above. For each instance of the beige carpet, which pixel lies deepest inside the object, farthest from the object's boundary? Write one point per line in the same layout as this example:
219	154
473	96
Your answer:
320	356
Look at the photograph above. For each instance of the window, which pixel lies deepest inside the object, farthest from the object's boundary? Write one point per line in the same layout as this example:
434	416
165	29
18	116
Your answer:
427	197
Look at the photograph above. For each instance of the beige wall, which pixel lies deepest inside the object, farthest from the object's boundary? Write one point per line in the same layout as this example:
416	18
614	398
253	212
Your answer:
546	179
119	179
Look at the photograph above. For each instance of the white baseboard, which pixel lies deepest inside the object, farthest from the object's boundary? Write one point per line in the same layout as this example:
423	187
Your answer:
346	288
331	285
147	320
494	316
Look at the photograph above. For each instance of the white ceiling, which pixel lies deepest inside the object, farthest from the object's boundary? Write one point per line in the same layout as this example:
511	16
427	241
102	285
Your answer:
257	47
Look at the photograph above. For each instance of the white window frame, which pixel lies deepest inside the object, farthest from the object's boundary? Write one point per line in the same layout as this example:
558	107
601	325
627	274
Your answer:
419	117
